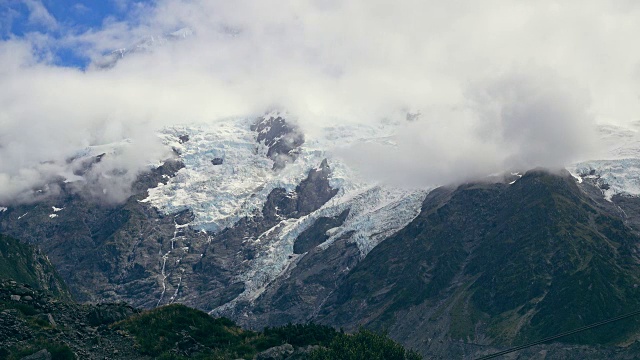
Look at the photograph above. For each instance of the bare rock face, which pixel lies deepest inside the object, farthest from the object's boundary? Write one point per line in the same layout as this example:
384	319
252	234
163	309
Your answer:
309	195
103	252
314	191
317	233
281	138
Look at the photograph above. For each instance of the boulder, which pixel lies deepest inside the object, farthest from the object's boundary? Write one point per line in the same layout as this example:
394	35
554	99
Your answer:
40	355
276	353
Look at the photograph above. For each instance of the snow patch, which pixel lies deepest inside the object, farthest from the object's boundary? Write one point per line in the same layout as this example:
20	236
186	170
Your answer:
332	231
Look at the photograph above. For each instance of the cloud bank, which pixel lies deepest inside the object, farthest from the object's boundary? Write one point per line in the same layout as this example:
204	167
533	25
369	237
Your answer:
499	84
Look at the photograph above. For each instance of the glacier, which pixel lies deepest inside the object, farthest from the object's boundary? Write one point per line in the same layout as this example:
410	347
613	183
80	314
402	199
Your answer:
221	194
227	176
618	170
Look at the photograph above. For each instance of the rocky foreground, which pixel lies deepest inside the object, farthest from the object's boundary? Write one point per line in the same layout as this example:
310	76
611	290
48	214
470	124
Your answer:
35	325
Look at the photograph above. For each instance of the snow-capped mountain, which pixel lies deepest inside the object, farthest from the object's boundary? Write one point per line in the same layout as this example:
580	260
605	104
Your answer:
237	185
254	220
257	183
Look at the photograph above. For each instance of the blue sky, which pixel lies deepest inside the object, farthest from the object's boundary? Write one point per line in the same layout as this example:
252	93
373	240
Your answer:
23	18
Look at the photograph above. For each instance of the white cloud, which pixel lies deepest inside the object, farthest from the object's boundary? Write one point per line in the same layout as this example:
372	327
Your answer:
515	122
80	8
500	84
121	5
7	18
38	14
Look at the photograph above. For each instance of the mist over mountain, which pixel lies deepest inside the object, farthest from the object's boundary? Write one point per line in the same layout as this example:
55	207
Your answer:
491	87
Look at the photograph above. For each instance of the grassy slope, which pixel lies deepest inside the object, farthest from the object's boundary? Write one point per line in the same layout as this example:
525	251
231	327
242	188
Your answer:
177	332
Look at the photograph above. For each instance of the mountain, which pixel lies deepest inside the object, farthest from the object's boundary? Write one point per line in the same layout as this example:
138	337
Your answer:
255	221
205	234
498	264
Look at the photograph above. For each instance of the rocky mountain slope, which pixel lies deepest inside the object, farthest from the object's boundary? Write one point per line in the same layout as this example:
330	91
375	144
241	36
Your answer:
40	324
255	221
35	323
28	265
205	234
498	264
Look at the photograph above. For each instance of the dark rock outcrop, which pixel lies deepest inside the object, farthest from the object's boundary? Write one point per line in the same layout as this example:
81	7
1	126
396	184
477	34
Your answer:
159	175
317	233
282	139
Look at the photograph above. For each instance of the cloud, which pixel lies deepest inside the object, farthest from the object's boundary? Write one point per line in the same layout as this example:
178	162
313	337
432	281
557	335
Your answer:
499	84
121	5
80	8
7	18
50	116
39	15
518	121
